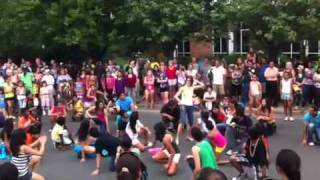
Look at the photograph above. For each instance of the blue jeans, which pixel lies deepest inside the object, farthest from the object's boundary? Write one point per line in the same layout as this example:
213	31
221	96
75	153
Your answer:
187	114
312	130
307	93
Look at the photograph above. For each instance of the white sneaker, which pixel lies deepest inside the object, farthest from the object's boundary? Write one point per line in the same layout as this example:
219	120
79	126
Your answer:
177	141
44	113
150	144
311	143
291	119
286	118
229	153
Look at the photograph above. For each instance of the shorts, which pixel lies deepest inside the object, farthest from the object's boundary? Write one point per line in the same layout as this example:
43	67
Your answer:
45	101
219	89
27	176
286	96
163	89
172	82
176	157
219	150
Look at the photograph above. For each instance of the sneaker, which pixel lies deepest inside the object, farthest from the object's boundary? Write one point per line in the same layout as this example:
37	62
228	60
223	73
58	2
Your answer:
311	143
229	153
286	118
44	113
291	119
150	144
177	141
50	130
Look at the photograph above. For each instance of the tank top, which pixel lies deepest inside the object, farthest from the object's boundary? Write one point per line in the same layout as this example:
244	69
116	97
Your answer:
254	88
187	96
100	116
22	163
207	156
286	86
8	91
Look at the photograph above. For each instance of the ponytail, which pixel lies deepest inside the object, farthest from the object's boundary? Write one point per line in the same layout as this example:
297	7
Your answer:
294	175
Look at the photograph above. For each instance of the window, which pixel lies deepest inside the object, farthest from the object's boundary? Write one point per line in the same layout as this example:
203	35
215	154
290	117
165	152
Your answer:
184	48
220	45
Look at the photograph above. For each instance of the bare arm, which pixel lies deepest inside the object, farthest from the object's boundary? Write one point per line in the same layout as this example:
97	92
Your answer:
178	94
197	163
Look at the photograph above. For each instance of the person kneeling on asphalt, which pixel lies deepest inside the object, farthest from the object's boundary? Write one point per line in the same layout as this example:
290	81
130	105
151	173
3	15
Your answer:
311	126
106	145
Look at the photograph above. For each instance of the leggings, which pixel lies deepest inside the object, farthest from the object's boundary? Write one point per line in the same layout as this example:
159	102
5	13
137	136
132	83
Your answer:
272	91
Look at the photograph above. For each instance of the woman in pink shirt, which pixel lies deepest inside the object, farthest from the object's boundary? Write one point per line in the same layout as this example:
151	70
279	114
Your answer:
271	74
108	84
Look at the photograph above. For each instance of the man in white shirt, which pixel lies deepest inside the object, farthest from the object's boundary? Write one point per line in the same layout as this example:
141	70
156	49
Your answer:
218	78
49	79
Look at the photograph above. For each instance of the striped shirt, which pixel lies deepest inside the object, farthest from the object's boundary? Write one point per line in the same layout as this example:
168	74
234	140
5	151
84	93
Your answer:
22	163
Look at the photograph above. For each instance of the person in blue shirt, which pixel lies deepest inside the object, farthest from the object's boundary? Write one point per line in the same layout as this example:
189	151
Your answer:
311	126
125	104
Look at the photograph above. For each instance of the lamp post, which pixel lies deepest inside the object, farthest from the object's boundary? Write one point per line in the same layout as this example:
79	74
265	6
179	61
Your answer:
241	39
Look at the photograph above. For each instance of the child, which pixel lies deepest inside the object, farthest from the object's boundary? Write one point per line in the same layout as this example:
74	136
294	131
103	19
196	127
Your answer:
255	92
21	95
78	108
60	135
209	97
254	155
79	88
44	98
286	87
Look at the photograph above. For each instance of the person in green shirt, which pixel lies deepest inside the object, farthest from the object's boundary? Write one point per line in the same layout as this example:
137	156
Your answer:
27	78
202	153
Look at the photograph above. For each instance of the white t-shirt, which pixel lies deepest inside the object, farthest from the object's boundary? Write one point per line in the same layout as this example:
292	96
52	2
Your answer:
203	125
48	79
212	96
218	75
134	136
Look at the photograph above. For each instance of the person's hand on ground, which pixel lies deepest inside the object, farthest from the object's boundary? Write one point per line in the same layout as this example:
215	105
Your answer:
82	160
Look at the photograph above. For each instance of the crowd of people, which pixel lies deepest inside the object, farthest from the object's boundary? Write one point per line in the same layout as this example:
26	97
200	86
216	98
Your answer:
226	109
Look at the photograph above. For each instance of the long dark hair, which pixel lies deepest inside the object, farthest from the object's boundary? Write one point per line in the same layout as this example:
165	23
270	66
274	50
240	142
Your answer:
160	131
18	138
267	107
289	163
83	130
7	129
133	121
205	118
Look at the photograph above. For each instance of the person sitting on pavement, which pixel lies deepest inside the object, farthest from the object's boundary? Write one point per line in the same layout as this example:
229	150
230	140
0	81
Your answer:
124	103
202	153
311	126
135	128
84	140
60	135
24	156
170	153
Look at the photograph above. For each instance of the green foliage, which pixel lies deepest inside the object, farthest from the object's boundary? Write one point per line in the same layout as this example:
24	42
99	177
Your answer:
82	28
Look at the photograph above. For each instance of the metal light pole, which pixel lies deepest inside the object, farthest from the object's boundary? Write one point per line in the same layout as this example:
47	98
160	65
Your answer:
241	39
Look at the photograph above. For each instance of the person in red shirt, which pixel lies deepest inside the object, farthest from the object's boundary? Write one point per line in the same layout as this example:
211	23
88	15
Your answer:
130	82
56	111
172	78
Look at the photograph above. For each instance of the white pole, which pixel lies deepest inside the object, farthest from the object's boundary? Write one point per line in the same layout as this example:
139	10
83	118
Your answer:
241	42
291	50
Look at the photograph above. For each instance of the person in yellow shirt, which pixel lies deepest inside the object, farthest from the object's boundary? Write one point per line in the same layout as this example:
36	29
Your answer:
78	109
60	134
9	95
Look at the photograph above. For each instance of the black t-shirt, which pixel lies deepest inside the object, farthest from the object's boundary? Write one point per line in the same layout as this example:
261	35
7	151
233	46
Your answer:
107	142
175	112
244	122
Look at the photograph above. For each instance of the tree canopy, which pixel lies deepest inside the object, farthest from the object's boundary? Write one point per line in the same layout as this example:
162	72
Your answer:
82	28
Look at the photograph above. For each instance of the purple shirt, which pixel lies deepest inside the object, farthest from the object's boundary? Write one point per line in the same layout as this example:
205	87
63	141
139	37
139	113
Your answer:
120	86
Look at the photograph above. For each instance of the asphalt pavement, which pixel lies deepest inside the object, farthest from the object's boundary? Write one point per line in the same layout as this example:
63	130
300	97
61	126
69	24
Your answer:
64	165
